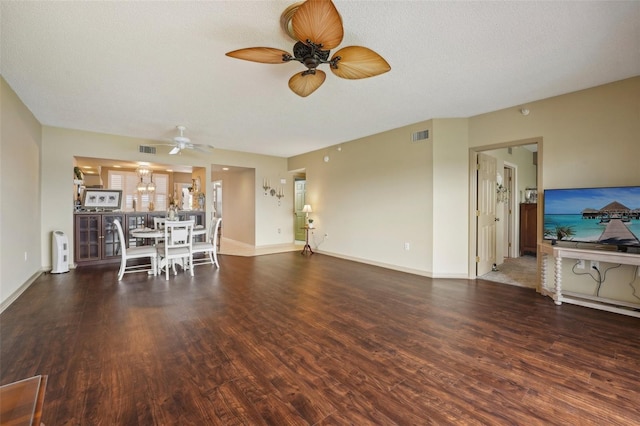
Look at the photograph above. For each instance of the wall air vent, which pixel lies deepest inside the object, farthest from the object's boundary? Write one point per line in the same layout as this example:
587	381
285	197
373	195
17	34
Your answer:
420	136
147	149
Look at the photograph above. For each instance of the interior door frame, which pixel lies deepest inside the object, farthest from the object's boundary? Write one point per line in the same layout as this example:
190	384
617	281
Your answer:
513	217
473	189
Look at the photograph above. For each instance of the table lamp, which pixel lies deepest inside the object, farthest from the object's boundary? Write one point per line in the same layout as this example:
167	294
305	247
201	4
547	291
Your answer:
307	209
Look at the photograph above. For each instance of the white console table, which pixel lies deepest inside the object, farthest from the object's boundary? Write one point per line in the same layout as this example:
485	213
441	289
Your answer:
559	252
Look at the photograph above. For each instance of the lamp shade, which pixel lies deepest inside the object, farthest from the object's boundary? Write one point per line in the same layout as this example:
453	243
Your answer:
307	208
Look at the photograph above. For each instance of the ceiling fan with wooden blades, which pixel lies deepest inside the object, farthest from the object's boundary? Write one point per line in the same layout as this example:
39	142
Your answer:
317	27
181	142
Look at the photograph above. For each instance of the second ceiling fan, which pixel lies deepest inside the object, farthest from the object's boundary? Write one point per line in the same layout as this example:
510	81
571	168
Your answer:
317	26
181	142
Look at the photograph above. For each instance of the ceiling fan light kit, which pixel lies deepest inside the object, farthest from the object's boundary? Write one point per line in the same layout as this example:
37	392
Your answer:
317	27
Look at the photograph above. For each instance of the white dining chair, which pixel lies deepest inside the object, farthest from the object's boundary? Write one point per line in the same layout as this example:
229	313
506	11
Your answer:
134	253
209	248
177	245
158	223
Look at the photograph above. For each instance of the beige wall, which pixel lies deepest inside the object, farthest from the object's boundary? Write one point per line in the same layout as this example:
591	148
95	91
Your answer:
381	191
450	198
373	196
20	233
239	205
591	137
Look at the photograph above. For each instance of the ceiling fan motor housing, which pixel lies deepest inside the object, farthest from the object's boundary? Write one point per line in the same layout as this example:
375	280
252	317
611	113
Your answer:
310	55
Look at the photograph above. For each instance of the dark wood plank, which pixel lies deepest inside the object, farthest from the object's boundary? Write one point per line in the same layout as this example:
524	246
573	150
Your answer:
314	340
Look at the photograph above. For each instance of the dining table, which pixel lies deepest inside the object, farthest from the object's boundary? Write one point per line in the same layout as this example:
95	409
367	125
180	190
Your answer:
150	233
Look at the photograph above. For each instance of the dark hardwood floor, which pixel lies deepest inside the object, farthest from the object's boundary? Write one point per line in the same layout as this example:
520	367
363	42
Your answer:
287	339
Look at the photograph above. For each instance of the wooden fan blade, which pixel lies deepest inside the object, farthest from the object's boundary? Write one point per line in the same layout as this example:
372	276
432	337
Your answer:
304	85
265	55
318	21
359	62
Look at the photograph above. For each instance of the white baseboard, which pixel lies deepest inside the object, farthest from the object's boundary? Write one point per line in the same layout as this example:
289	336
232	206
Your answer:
380	264
12	298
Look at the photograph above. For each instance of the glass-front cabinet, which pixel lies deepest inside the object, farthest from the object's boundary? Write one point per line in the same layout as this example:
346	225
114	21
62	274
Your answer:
197	217
87	237
96	236
111	240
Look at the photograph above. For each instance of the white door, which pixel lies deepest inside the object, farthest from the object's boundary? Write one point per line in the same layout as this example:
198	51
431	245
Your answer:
486	214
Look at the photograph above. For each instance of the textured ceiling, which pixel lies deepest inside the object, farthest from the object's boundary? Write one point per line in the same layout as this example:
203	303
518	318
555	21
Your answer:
140	68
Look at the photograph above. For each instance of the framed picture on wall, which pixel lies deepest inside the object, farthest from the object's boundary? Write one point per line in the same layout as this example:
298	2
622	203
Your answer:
102	199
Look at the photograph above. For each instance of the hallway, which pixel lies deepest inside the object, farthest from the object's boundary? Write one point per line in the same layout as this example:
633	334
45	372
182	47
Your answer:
519	271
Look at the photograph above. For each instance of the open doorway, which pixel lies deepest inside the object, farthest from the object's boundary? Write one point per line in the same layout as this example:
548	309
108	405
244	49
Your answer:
501	175
300	199
216	198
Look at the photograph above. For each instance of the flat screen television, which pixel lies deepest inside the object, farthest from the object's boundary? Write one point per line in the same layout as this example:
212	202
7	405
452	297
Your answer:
606	216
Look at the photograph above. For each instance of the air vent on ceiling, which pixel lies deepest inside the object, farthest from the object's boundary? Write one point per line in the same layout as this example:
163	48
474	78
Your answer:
147	149
420	136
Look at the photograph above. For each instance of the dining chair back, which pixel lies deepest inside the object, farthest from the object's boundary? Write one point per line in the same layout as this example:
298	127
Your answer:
158	223
134	253
209	248
178	245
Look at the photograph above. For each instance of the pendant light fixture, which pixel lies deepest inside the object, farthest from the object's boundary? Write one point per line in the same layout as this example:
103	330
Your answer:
151	187
142	187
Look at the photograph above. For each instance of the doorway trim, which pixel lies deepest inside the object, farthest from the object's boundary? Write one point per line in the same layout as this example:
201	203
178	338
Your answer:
514	220
473	191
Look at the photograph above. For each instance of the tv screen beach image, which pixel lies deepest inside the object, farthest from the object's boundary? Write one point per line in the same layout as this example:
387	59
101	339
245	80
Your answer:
593	215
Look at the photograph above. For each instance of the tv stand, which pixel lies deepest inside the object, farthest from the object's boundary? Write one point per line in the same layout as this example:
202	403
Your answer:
596	302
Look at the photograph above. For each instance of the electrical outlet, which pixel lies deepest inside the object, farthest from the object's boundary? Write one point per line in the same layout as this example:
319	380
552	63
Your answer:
407	246
580	264
595	264
279	231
